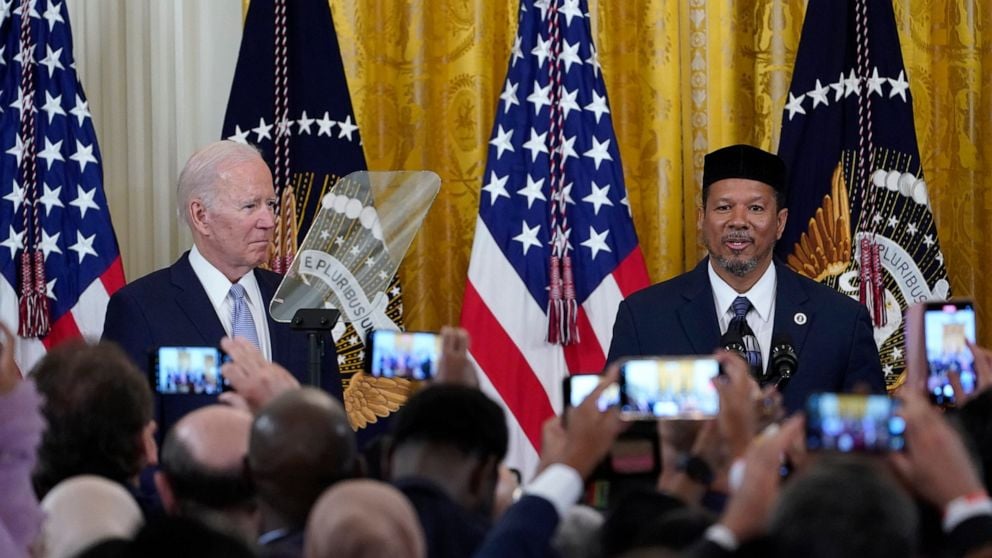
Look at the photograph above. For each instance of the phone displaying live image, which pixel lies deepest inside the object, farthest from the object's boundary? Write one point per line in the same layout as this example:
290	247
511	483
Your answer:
669	388
187	371
404	354
853	423
578	386
947	327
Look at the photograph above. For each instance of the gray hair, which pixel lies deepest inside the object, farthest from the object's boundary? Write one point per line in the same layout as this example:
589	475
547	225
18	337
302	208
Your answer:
205	169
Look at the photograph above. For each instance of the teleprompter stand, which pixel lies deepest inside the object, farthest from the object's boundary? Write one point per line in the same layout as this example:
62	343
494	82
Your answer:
315	322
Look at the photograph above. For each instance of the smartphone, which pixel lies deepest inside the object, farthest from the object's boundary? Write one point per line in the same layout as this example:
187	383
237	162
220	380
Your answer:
853	423
188	370
947	326
634	453
669	388
577	387
404	354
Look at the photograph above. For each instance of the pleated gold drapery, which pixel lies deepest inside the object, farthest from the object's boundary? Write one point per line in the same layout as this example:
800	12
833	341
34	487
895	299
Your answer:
683	77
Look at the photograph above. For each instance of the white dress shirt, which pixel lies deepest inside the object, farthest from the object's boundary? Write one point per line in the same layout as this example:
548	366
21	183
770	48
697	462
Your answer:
218	289
761	318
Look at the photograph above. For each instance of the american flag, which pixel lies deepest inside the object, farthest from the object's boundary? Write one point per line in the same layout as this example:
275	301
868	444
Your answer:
553	133
71	224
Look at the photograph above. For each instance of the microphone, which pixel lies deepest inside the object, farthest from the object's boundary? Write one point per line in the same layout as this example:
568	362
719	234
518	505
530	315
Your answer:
784	361
732	341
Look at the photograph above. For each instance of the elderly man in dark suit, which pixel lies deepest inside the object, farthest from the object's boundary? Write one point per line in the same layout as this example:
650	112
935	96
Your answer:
216	289
741	289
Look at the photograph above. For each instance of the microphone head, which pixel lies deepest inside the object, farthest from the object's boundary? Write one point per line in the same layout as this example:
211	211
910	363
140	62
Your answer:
783	356
732	341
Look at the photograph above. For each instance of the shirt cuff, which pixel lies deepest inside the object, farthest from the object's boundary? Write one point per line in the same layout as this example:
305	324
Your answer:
964	508
722	536
735	476
559	484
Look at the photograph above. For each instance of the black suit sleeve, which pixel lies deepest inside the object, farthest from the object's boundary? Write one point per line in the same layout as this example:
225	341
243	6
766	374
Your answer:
864	366
126	325
625	342
970	536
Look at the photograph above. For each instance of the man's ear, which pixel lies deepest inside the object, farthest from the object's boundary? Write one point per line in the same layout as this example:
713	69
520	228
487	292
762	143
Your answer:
782	217
165	492
485	473
198	216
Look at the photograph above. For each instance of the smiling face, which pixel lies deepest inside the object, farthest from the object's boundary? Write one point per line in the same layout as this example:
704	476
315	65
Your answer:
739	223
234	227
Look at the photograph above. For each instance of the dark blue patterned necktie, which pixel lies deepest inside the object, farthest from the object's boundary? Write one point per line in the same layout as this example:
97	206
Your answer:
741	307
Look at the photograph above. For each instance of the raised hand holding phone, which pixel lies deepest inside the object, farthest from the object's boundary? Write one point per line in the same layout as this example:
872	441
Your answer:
254	379
949	332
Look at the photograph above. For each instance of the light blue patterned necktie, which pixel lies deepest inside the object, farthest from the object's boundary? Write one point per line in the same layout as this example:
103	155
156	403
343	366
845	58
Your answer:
741	307
242	323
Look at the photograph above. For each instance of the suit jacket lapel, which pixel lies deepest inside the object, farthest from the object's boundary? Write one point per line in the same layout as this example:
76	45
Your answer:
193	301
698	314
278	332
792	318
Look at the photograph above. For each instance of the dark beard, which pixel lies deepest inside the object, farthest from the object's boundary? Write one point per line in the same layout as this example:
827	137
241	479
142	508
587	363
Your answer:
737	266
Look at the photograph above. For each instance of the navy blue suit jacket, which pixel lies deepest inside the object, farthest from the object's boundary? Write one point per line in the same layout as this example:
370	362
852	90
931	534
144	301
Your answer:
831	333
170	308
524	531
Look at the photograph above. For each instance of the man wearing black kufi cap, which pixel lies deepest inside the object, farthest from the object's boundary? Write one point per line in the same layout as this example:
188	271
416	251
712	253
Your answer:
740	294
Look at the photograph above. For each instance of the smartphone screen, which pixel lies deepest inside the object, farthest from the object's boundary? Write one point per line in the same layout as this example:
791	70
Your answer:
411	354
669	388
849	422
187	370
947	326
578	386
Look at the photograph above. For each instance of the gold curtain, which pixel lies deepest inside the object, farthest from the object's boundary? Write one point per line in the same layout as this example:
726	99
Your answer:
683	78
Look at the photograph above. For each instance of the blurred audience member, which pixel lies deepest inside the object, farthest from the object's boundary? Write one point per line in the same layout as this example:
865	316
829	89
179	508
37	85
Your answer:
301	443
937	467
630	516
20	433
528	526
577	534
448	442
85	510
844	507
202	470
673	532
99	412
975	413
364	519
171	536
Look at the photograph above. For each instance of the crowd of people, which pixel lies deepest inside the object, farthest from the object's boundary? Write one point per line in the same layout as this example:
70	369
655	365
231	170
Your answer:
273	469
277	472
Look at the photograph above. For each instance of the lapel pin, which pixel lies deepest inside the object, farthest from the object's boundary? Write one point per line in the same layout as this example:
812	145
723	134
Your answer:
799	318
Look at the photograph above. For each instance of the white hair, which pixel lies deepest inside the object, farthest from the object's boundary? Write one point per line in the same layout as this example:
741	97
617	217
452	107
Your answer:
205	168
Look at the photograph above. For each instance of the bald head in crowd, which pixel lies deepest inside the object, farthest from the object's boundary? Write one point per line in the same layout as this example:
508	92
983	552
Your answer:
301	443
202	468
